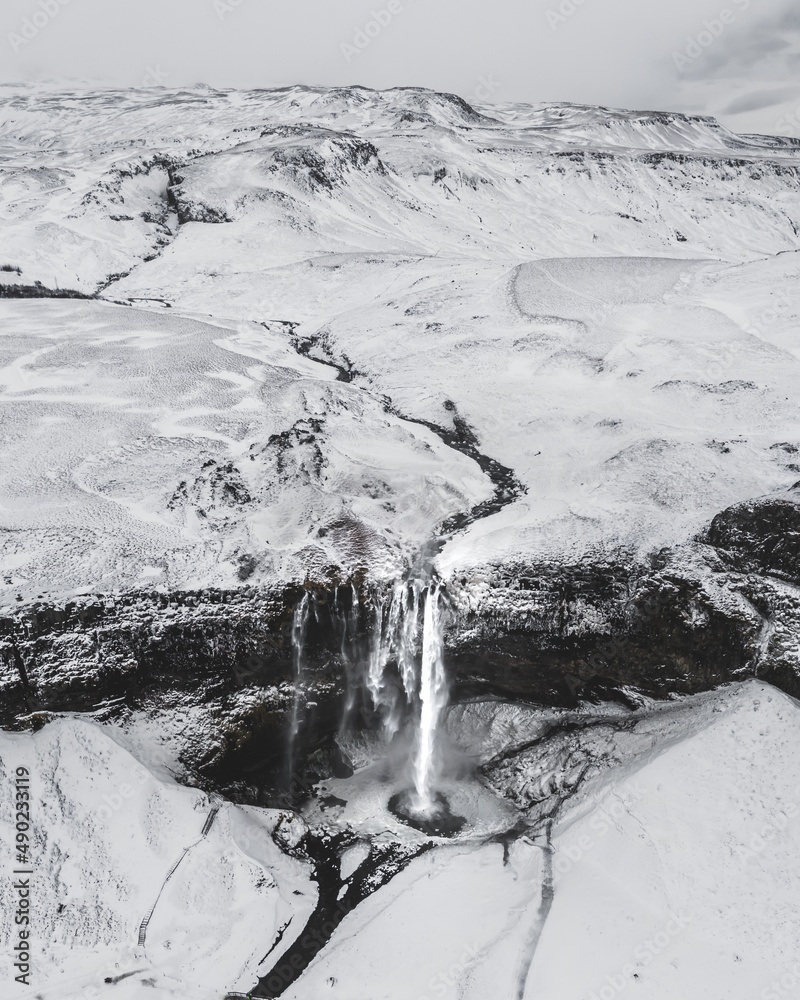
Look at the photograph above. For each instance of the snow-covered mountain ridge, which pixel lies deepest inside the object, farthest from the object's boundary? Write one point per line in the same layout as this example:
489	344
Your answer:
261	353
366	316
406	170
328	215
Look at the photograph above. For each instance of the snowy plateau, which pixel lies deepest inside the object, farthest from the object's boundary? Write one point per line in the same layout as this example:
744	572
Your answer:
399	549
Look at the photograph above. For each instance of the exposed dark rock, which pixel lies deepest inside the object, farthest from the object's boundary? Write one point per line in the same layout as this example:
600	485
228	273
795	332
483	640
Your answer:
556	634
218	487
319	347
461	437
196	211
336	898
560	634
314	165
78	654
39	291
762	535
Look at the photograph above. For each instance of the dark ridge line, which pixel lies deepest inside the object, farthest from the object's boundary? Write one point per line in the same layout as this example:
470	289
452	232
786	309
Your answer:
507	487
534	935
279	937
171	165
382	864
39	291
303	346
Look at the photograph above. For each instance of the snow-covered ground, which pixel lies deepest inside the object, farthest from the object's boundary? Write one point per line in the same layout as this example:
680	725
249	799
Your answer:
144	449
672	871
297	172
106	832
680	878
320	322
610	299
633	398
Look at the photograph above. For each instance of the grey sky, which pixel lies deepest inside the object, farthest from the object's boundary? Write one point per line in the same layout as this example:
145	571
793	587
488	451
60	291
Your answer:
629	53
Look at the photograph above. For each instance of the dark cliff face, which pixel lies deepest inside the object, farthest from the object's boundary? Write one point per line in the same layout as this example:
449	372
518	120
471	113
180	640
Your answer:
590	632
551	633
762	535
73	655
222	661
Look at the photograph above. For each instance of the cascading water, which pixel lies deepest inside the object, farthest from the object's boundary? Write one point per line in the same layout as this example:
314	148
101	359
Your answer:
433	699
394	641
404	678
299	629
347	619
406	660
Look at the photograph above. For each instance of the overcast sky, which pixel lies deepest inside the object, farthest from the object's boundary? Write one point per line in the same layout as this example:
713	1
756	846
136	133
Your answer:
737	59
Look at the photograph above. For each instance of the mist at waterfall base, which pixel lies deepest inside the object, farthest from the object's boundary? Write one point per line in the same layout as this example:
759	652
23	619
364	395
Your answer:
393	651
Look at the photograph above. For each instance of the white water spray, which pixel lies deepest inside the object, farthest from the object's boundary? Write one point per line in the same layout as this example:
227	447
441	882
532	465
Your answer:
348	624
395	640
395	629
394	673
433	699
384	627
299	627
406	659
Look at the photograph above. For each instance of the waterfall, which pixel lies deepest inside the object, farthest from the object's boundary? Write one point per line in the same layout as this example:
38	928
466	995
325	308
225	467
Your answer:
433	698
384	632
347	620
394	641
406	660
402	676
424	684
299	628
